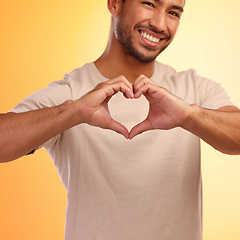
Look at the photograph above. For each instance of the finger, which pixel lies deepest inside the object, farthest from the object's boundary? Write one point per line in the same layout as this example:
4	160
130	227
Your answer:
120	78
139	83
138	79
103	93
120	86
143	78
119	128
142	89
106	90
140	128
125	95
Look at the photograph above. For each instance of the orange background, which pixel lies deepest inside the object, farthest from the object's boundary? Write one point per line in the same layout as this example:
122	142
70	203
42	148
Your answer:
42	40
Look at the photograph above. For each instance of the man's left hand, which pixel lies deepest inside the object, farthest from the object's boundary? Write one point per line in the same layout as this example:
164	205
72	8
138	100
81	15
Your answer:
166	111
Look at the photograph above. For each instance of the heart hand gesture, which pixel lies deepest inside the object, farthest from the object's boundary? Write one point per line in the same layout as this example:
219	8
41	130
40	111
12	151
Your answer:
166	111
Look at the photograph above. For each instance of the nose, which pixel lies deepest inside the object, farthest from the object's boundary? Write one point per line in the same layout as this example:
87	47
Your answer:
159	21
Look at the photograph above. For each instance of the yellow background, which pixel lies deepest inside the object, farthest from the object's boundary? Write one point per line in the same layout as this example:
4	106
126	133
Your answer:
42	40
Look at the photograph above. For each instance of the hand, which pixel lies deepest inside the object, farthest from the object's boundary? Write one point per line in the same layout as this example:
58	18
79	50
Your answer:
166	111
94	105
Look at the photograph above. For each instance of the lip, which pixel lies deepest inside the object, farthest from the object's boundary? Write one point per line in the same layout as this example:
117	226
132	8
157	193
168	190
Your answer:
154	35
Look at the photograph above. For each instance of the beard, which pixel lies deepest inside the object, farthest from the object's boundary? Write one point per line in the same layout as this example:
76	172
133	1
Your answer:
126	41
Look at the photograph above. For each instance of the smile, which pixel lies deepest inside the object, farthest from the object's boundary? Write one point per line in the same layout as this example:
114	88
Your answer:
149	37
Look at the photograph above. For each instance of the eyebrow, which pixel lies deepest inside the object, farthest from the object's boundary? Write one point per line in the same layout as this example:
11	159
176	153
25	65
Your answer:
179	8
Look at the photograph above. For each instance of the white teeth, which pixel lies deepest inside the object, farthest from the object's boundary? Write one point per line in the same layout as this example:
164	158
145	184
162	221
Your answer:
150	38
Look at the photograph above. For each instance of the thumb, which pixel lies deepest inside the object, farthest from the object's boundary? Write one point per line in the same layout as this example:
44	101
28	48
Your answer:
119	128
140	128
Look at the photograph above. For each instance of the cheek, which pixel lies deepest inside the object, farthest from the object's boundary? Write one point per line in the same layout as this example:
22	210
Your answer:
139	16
145	15
173	27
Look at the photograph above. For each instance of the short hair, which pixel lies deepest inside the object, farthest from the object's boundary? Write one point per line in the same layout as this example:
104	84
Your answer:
184	1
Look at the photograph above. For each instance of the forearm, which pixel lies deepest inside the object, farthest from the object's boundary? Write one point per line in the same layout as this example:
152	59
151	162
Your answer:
219	128
20	133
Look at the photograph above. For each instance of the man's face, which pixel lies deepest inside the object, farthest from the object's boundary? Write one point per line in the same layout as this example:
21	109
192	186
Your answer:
146	28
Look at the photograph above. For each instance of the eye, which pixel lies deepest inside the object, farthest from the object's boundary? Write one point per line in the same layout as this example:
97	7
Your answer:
149	4
175	14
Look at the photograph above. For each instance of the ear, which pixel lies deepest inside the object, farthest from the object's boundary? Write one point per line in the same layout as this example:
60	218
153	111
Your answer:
114	7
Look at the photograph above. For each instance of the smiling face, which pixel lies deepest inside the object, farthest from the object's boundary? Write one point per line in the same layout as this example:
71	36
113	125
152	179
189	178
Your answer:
145	28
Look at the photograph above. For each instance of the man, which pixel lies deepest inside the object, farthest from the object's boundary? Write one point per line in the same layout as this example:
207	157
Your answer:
148	187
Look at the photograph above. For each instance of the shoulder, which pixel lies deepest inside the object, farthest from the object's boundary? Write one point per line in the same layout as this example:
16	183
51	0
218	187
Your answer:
81	80
165	71
168	75
191	87
173	80
57	92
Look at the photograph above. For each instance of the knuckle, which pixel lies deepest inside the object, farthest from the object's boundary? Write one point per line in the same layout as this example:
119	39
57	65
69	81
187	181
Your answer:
122	84
142	76
99	85
122	77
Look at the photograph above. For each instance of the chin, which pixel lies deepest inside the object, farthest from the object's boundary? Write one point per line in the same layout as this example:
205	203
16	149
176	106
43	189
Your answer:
147	56
146	59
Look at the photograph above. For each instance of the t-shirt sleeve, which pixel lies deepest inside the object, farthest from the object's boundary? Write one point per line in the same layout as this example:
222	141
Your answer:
194	89
55	94
211	94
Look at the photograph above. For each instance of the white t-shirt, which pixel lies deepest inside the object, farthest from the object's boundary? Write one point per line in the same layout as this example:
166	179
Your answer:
147	188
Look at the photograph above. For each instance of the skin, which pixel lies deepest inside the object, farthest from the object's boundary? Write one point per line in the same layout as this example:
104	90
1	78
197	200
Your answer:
39	126
161	18
150	18
123	64
158	19
219	128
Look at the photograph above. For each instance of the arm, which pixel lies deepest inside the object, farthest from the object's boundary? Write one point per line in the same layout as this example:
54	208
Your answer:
20	133
219	128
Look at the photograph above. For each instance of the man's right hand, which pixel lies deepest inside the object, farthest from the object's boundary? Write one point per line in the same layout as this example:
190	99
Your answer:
20	133
93	107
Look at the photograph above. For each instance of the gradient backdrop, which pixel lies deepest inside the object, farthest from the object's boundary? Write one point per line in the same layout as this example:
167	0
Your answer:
42	40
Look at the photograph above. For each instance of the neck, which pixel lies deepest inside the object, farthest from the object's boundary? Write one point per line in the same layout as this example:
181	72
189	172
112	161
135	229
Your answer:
115	62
